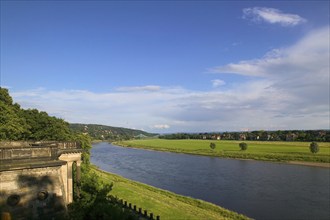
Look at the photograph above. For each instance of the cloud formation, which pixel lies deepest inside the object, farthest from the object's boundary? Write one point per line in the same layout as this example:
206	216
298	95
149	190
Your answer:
272	16
217	83
298	76
148	88
288	88
162	126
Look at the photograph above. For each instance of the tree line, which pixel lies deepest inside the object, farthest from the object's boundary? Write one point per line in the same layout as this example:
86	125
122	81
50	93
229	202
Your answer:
281	135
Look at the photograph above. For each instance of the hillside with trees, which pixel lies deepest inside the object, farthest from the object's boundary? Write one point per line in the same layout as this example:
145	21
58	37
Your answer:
103	132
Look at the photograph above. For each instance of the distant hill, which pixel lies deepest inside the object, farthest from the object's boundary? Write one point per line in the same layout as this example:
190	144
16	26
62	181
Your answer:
104	132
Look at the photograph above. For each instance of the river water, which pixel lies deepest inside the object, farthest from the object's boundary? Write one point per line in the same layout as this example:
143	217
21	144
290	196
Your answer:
260	190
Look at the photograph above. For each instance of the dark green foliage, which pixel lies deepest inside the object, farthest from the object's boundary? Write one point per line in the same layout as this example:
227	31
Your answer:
5	97
92	193
12	126
21	124
85	142
243	146
95	203
212	145
45	127
285	135
314	147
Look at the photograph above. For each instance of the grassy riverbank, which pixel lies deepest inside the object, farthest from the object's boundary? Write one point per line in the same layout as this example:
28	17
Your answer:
166	204
257	150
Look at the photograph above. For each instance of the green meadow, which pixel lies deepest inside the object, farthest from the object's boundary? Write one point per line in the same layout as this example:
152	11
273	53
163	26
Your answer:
166	204
257	150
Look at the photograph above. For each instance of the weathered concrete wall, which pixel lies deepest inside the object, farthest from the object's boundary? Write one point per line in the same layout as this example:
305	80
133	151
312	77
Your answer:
36	178
32	193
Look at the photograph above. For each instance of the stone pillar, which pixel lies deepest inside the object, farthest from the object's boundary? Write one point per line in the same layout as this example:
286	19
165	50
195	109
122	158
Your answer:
78	177
64	173
70	185
67	175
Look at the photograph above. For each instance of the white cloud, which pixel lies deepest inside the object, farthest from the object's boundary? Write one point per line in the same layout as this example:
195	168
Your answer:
149	88
291	91
297	75
248	68
4	86
161	126
131	108
308	57
217	83
272	15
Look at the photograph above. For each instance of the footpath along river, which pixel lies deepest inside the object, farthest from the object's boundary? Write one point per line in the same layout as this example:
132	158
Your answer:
260	190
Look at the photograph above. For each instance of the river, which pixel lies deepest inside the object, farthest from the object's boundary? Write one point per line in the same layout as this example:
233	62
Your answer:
260	190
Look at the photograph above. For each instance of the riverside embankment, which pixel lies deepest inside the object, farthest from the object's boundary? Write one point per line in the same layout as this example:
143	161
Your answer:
167	205
285	152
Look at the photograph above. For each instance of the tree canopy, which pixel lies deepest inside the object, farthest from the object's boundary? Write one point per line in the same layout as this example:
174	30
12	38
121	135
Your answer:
20	124
243	146
314	147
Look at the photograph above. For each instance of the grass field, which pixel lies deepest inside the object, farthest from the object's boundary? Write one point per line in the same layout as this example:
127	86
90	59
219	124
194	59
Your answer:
257	150
166	204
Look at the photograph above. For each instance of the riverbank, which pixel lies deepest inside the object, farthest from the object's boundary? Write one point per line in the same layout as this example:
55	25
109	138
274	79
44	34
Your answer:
283	152
312	164
166	204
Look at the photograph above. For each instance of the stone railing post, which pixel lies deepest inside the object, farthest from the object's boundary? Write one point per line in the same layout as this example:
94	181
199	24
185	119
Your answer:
70	184
78	177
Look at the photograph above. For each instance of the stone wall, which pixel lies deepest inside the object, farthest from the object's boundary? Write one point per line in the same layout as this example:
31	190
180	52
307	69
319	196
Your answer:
36	179
32	193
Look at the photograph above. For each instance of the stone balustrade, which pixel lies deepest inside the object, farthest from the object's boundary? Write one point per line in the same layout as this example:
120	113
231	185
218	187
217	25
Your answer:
36	150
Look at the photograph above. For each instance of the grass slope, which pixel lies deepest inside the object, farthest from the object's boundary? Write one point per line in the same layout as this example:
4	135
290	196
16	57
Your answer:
166	204
257	150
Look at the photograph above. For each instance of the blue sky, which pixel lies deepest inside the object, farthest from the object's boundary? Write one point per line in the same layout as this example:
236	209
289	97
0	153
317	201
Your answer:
170	66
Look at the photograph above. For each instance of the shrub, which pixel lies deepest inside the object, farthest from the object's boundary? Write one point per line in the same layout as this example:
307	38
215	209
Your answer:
314	147
212	146
243	146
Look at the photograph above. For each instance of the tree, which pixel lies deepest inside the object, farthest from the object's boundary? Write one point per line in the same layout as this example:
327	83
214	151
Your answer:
314	147
212	145
5	97
243	145
12	126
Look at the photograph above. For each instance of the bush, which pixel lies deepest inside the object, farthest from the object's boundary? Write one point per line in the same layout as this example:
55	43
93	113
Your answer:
212	146
243	146
314	147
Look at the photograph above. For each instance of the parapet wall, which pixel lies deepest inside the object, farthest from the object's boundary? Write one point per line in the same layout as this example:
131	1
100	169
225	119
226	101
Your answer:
15	154
36	178
14	144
